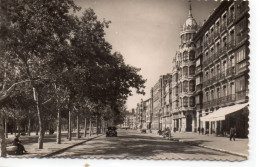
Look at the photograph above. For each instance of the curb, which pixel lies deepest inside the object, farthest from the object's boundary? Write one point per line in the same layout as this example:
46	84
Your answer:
225	151
212	148
66	148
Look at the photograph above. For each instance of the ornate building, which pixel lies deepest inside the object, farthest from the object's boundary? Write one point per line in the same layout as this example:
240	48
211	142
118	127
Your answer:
183	80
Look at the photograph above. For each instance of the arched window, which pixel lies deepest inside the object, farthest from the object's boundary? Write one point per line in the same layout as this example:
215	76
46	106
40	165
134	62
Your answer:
192	55
180	87
185	102
192	70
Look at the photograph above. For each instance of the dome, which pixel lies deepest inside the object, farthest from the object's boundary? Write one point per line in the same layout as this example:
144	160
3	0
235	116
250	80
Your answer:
190	24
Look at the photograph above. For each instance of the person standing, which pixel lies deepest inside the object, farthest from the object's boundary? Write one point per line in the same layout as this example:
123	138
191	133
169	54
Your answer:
232	133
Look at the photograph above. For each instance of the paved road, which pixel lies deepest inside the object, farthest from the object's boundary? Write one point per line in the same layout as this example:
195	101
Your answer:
132	144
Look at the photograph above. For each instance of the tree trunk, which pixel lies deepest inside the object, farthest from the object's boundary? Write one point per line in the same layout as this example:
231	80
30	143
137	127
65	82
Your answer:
78	134
2	136
85	126
41	125
90	127
29	127
6	130
58	139
19	128
96	125
69	125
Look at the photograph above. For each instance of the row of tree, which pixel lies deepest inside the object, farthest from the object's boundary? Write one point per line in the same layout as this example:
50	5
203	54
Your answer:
53	63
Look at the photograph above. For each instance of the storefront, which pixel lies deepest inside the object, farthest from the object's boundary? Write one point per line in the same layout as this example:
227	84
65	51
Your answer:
220	121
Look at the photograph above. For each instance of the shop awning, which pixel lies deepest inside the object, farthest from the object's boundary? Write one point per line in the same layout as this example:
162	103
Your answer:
220	114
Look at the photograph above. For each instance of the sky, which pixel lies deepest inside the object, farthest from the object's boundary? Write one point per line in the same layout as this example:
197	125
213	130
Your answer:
146	32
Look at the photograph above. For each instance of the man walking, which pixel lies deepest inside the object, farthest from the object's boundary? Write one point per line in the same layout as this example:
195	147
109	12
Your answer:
232	133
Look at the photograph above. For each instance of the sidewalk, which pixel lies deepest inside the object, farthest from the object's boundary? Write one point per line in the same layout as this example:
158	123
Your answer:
238	147
49	146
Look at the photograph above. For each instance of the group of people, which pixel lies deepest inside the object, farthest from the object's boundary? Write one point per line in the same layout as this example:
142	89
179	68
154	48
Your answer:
232	132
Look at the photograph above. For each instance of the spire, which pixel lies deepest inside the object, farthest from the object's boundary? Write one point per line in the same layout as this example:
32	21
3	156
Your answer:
190	15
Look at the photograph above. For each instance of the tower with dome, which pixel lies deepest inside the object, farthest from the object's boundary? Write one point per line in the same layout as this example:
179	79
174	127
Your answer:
183	81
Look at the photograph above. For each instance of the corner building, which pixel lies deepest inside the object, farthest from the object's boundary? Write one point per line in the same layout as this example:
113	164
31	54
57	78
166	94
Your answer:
222	71
183	79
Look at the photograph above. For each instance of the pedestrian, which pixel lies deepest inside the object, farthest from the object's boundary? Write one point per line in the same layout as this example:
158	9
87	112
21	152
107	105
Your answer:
17	143
207	131
199	130
202	131
232	134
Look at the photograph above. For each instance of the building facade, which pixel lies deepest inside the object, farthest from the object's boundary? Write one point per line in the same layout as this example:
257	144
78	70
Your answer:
183	80
222	71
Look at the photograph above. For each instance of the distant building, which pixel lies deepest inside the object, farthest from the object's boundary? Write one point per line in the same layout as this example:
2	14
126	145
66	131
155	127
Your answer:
157	102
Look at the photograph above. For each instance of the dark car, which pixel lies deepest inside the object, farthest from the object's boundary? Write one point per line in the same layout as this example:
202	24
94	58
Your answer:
111	132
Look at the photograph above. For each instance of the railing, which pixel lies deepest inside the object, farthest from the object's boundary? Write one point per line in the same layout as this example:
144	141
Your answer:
198	88
242	9
230	19
242	95
223	26
231	71
242	38
216	32
231	45
220	101
198	70
222	50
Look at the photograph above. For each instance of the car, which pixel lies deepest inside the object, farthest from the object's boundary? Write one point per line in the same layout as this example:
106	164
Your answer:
111	131
143	131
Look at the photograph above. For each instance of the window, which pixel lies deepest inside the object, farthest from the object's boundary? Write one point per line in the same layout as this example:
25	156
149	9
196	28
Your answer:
192	55
192	70
185	56
224	90
198	80
207	96
212	94
212	72
232	61
218	68
224	41
192	101
192	85
240	84
185	86
185	71
218	93
185	102
241	55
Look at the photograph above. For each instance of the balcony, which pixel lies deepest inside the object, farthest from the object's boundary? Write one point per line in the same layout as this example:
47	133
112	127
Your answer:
198	70
231	71
242	8
231	45
230	19
198	88
217	32
223	26
199	51
242	95
242	37
222	51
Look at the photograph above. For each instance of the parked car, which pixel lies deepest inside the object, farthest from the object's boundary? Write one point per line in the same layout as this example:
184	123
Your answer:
111	132
143	131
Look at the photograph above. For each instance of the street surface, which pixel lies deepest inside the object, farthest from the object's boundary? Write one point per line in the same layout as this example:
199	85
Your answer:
133	144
